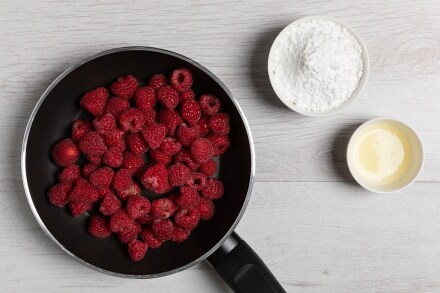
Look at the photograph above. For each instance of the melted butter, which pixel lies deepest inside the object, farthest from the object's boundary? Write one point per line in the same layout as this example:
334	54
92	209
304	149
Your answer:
381	153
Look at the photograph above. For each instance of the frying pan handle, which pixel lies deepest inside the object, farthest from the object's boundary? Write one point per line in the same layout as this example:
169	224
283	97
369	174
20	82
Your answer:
242	269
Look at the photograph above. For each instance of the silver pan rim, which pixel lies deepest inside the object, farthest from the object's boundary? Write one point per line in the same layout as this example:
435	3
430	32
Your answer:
29	126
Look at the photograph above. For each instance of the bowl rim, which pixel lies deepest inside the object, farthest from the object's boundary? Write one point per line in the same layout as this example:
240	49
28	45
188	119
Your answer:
350	146
362	82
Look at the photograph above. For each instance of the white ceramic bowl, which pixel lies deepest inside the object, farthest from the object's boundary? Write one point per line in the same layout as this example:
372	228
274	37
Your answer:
415	164
355	94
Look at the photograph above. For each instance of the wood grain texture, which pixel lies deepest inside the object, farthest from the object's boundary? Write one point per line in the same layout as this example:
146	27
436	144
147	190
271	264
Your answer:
319	232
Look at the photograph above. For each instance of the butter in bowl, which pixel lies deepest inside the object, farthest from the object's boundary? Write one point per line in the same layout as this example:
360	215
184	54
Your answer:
385	155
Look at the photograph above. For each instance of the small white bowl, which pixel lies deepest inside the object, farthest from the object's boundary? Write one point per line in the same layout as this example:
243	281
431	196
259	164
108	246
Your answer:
355	94
415	164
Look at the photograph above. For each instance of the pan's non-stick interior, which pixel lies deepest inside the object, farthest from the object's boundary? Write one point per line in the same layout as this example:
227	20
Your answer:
52	122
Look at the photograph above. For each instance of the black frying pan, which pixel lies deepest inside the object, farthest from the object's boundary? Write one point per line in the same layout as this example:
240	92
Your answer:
213	240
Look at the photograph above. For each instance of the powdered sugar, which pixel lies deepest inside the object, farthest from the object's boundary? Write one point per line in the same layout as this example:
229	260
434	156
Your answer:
316	64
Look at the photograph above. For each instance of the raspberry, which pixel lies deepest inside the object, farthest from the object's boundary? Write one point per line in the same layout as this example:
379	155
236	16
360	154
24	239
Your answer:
201	150
83	192
163	229
170	146
210	105
181	79
147	219
98	227
220	143
138	206
95	101
188	198
92	144
197	180
208	168
133	190
65	152
187	95
122	180
155	179
110	205
145	98
115	138
157	81
170	119
79	128
187	219
112	157
132	162
126	237
158	156
150	116
116	106
148	236
173	198
105	123
162	208
137	250
79	208
59	193
184	157
104	192
213	189
88	169
132	120
180	234
203	126
168	97
142	170
178	175
186	135
125	86
136	144
219	123
190	112
95	160
120	222
102	178
70	174
154	134
189	136
205	208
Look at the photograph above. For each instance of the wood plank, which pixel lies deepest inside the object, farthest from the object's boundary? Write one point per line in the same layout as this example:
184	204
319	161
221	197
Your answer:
320	237
319	232
405	69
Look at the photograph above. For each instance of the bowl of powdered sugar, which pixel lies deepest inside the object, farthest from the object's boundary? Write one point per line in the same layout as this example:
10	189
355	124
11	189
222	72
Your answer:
318	65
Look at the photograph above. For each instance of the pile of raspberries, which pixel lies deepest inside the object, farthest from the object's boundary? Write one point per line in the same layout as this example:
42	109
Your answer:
156	138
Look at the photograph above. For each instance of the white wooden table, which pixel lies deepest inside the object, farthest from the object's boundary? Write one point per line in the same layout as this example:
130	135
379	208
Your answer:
316	229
